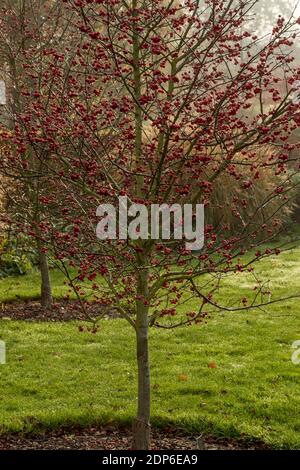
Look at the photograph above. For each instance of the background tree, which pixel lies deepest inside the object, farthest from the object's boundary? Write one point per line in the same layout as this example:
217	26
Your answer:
28	27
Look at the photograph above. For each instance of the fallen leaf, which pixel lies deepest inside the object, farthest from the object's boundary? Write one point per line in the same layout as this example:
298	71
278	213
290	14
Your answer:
182	377
212	365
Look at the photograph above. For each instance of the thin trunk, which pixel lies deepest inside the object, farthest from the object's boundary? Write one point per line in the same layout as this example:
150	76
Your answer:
46	291
141	425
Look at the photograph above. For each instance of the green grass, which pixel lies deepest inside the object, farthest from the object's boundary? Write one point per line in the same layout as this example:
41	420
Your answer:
56	375
28	286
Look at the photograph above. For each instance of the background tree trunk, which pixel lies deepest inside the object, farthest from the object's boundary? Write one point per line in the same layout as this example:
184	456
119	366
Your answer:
46	290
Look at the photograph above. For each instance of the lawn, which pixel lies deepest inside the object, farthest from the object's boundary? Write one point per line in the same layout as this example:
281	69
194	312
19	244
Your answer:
28	287
56	375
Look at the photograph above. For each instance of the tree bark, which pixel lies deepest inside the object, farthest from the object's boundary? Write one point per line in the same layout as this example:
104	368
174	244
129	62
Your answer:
46	290
141	425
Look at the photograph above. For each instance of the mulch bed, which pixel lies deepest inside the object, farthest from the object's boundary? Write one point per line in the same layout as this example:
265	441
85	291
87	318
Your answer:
113	438
64	310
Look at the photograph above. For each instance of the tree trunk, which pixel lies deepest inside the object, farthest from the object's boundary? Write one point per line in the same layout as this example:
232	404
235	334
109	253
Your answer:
141	425
46	291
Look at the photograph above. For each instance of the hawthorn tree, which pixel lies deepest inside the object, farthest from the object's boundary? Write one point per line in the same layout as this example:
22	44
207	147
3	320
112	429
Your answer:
164	102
